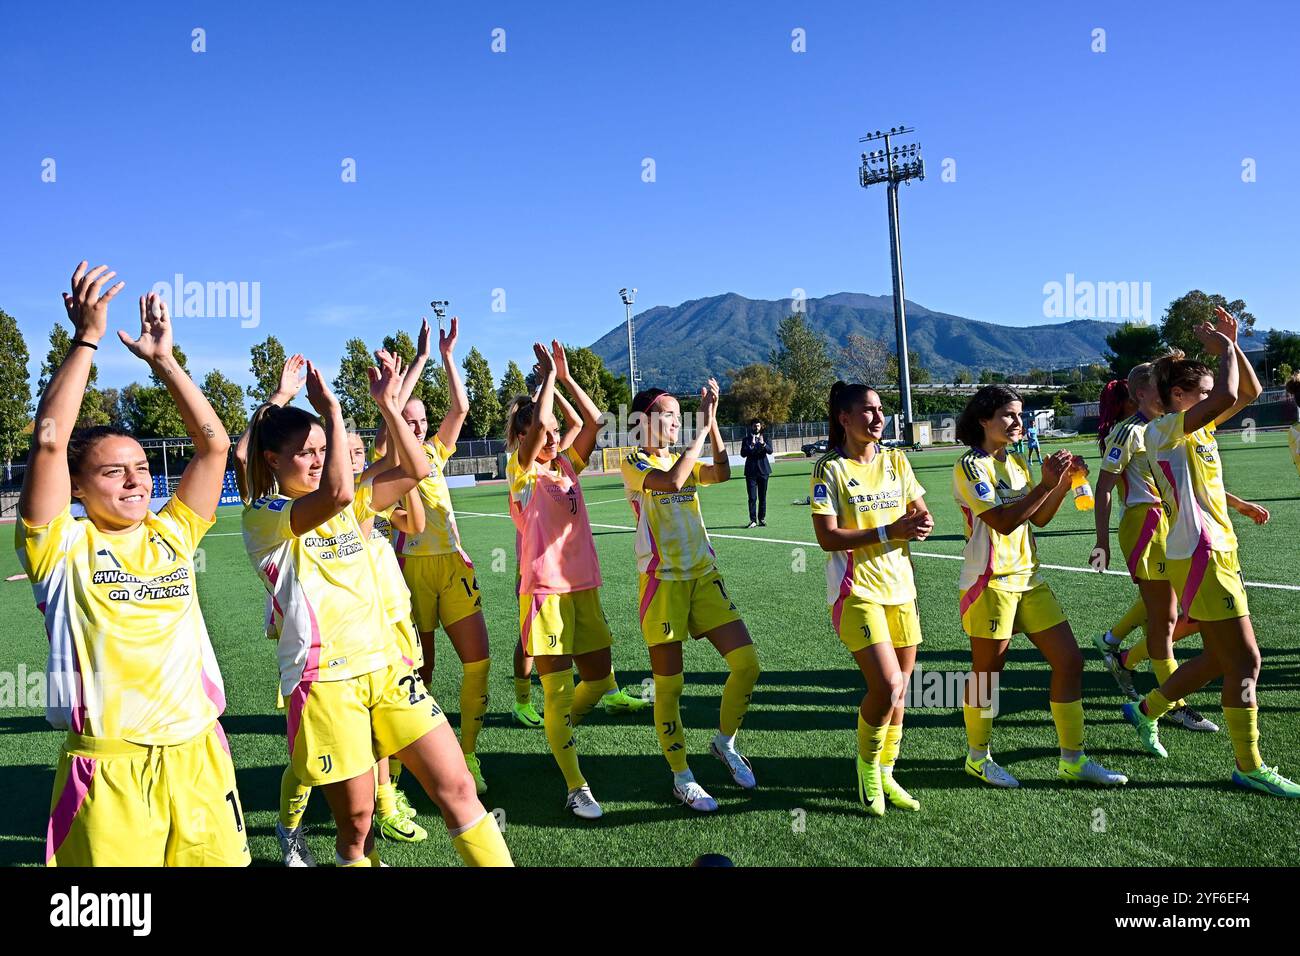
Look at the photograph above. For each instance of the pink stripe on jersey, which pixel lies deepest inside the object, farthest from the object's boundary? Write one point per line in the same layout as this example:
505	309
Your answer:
221	737
293	716
1195	574
215	693
846	587
1145	534
651	586
982	582
81	774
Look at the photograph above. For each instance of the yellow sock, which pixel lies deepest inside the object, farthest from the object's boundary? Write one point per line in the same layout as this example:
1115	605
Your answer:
1164	669
1068	718
386	800
668	720
523	690
557	703
1243	728
588	694
481	843
372	858
738	689
1157	705
1136	654
979	727
1134	617
871	740
473	703
893	740
394	770
293	800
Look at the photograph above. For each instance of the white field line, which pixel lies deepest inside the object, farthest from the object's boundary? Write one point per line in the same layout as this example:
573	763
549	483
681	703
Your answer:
919	554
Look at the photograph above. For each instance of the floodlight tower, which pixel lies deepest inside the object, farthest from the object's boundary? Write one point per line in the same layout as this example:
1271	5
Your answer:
629	296
439	307
894	165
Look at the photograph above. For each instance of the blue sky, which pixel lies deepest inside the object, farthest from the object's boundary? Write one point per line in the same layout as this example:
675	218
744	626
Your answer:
522	171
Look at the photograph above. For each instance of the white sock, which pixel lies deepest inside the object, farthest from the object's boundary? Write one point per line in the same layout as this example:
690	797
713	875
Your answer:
977	755
339	861
683	778
724	742
1070	756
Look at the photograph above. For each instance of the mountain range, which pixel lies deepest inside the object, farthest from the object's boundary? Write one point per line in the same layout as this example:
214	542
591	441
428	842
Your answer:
679	347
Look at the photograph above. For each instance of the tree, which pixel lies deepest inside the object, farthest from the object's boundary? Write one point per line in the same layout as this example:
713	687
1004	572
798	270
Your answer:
759	391
990	377
1281	349
963	377
352	386
803	357
267	361
1189	311
92	403
1129	345
513	385
919	374
227	401
149	412
433	391
112	399
484	407
15	392
863	360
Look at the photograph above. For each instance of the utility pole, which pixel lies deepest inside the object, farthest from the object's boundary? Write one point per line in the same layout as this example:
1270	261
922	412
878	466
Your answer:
633	375
893	165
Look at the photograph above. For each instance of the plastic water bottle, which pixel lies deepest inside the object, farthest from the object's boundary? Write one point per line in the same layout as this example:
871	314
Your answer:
1083	499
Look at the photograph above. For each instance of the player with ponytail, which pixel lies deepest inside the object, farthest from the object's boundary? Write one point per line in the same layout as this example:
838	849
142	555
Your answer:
867	506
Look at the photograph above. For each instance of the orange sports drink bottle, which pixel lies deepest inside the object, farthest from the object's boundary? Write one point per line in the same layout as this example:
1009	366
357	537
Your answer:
1082	492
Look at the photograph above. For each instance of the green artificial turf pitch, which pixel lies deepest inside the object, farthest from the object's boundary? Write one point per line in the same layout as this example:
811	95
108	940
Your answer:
800	730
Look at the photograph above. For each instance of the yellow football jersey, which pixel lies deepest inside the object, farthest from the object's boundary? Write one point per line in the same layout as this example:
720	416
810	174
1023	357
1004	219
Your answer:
440	535
1189	475
672	543
1006	562
392	585
129	657
1126	456
326	595
860	497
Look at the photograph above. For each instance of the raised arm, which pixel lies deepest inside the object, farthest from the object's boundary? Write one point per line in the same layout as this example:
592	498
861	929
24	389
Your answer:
289	386
572	417
47	486
534	439
585	441
335	491
720	470
458	409
675	478
1248	387
200	484
1223	397
412	464
412	376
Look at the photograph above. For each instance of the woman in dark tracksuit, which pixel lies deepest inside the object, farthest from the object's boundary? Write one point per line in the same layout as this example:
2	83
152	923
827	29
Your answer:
755	449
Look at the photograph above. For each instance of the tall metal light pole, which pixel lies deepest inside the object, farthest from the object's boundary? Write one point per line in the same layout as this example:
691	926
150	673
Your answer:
629	296
439	307
894	165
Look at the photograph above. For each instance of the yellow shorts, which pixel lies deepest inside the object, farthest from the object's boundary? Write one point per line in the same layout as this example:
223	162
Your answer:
672	609
861	623
339	729
443	588
556	624
1142	533
117	803
1210	586
998	614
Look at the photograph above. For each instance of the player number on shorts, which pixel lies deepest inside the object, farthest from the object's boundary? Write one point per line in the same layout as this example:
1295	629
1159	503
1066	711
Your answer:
722	590
234	808
468	591
414	690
